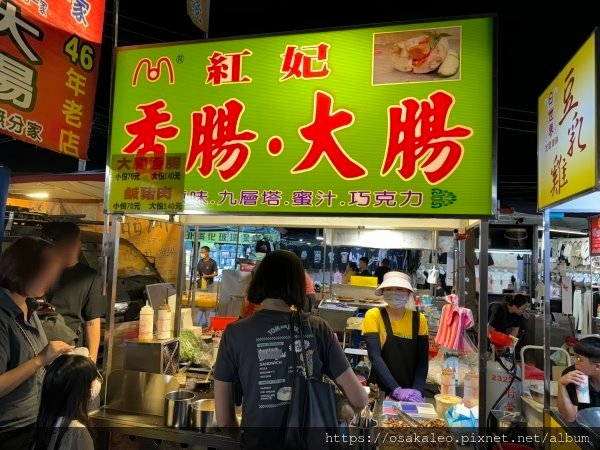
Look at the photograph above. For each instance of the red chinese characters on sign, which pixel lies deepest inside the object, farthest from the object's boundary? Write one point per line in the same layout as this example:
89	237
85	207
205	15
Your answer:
306	62
559	174
155	124
419	137
594	236
226	68
216	142
323	143
571	105
50	49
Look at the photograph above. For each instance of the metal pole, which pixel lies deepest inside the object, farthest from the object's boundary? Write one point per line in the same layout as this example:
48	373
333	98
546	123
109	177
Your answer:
460	261
547	312
180	281
110	253
194	272
483	311
435	236
4	185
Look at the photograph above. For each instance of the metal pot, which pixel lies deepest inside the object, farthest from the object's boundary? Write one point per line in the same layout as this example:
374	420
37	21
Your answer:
202	415
177	406
537	393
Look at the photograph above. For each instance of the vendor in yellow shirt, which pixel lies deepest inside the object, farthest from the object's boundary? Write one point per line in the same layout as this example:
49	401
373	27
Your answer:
397	340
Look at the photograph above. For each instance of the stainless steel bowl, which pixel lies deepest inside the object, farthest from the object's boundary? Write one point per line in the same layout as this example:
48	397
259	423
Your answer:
537	393
202	415
590	419
177	405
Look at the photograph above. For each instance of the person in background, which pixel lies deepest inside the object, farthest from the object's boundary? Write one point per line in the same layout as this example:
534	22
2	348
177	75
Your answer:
207	267
78	293
397	341
351	271
27	269
263	341
363	267
508	318
382	270
587	362
70	384
311	295
247	308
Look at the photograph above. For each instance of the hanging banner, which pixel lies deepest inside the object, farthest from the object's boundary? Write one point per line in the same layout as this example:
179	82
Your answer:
394	120
567	119
595	236
49	56
199	12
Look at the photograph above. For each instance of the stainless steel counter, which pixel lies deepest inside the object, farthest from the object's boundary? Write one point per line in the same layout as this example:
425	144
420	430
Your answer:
107	423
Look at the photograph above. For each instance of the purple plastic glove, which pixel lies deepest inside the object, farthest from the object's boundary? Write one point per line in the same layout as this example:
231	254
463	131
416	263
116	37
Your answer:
407	395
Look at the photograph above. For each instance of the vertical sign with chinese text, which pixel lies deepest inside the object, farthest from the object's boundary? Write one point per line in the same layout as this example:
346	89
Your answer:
146	184
394	120
594	236
49	56
567	130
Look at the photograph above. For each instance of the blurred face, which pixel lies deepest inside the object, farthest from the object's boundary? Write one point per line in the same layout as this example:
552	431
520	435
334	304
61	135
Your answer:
48	276
586	365
362	264
519	310
204	253
70	251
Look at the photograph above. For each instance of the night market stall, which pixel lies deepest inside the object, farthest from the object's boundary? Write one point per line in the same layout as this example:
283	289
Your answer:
382	137
568	181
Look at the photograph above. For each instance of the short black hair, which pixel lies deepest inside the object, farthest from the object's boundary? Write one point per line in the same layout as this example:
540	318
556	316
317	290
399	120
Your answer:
61	232
279	275
353	266
588	347
22	262
517	300
385	262
205	247
364	259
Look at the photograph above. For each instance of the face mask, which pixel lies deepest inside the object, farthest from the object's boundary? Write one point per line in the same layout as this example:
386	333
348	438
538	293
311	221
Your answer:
95	389
395	299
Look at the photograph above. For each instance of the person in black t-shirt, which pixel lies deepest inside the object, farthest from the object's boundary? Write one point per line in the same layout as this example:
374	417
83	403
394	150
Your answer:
382	270
587	362
363	267
78	294
257	351
508	317
207	267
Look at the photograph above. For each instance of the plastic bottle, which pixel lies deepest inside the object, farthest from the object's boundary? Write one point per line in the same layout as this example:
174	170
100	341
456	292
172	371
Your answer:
448	385
164	322
471	389
146	331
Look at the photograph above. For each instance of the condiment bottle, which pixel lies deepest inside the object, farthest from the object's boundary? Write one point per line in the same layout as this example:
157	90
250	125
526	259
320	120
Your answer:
146	330
448	385
164	321
471	388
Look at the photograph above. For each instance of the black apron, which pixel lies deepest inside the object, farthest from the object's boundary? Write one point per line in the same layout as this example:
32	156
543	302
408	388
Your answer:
399	354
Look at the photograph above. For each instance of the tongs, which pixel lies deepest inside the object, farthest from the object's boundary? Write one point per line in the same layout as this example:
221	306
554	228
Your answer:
409	420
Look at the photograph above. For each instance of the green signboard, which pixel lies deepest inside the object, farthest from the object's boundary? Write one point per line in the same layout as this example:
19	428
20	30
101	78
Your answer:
394	120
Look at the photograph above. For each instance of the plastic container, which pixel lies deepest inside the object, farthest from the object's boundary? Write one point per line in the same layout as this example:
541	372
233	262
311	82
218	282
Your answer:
164	322
448	384
471	389
444	402
219	323
146	330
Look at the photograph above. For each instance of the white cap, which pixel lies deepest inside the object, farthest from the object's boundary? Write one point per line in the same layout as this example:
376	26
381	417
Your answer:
395	279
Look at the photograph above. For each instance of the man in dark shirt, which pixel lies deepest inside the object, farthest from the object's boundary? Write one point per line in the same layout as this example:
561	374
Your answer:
363	267
78	294
587	365
508	317
207	267
382	270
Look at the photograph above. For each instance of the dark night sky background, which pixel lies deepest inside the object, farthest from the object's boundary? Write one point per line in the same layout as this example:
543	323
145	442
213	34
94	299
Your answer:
533	45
